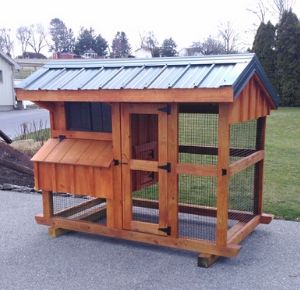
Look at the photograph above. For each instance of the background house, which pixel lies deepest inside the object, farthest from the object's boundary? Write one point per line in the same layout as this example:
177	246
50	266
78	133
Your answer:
7	93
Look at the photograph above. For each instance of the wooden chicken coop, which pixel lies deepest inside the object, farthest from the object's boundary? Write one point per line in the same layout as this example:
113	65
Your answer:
165	151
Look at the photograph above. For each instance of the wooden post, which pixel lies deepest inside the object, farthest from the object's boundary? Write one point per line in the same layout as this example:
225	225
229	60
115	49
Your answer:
259	167
116	203
223	177
47	203
172	176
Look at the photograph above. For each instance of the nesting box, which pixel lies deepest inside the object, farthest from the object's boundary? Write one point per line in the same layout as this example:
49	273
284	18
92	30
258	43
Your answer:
165	151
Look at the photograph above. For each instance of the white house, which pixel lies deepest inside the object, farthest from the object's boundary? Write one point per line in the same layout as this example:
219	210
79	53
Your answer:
7	92
143	53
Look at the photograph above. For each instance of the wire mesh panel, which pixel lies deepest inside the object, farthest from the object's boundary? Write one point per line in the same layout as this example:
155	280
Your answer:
243	139
198	142
197	202
198	138
145	199
77	207
241	194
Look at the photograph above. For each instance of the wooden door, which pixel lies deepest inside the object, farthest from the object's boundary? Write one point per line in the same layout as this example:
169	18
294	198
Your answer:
144	168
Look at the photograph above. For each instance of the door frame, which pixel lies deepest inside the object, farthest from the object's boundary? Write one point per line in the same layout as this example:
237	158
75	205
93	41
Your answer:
129	164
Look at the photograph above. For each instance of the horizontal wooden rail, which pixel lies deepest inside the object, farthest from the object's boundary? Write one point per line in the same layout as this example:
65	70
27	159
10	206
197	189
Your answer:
242	230
195	169
195	209
199	246
245	162
207	150
103	136
143	165
146	228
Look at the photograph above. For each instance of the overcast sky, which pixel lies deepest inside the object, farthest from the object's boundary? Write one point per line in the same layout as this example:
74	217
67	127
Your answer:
185	21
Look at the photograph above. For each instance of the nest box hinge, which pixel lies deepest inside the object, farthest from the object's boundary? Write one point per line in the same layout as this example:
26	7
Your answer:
166	230
166	109
61	137
166	167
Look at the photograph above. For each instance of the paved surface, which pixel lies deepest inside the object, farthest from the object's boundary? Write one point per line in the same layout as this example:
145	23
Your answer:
29	259
11	121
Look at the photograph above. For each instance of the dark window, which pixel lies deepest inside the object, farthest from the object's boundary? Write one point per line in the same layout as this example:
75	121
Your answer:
1	76
83	116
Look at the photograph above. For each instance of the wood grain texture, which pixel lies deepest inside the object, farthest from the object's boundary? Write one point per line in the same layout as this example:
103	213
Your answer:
82	135
230	250
47	197
245	162
198	170
172	176
223	182
204	95
117	174
252	103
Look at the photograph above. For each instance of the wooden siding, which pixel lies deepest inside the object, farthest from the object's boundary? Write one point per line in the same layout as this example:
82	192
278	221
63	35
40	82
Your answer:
75	166
252	103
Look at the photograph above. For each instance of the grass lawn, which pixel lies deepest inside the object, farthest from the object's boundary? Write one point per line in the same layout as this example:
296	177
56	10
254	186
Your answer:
282	164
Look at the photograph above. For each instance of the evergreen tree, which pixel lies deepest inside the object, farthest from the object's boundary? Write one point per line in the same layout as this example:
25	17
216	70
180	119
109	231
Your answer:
85	41
120	45
62	37
288	58
264	47
168	47
100	46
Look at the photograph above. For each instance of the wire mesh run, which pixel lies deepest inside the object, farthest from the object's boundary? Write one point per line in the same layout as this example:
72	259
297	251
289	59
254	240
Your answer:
77	207
244	138
146	197
241	195
198	138
197	207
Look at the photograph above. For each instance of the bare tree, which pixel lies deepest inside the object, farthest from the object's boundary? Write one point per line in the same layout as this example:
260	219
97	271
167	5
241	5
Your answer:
37	40
260	10
279	6
23	35
229	37
6	43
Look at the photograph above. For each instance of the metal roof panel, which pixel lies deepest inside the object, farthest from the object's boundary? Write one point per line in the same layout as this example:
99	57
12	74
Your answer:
155	73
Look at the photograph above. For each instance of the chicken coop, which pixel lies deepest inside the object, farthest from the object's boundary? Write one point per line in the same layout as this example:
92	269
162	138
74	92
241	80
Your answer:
164	151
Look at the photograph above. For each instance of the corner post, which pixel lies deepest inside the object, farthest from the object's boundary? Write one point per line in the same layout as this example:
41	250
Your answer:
47	203
259	167
223	178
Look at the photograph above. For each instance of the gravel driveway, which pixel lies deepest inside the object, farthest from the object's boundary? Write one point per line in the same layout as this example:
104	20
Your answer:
29	259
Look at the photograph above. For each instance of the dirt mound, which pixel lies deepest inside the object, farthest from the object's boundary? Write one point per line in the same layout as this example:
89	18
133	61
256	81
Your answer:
15	167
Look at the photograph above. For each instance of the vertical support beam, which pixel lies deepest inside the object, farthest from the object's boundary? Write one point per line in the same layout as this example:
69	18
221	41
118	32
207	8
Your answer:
117	177
223	179
47	203
172	176
162	174
259	167
126	174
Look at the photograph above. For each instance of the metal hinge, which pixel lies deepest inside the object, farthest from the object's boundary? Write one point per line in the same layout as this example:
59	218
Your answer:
166	109
117	162
166	230
166	166
61	137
